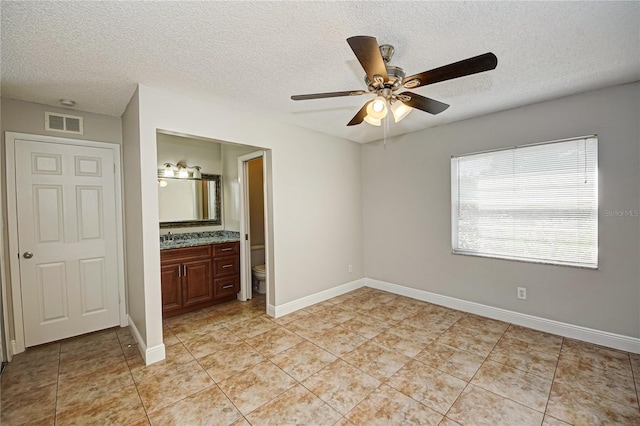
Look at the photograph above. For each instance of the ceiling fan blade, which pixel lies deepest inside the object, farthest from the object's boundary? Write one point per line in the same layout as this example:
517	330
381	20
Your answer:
359	117
480	63
422	103
368	53
327	95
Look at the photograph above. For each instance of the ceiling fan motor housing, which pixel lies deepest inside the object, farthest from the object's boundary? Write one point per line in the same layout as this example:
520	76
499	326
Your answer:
396	75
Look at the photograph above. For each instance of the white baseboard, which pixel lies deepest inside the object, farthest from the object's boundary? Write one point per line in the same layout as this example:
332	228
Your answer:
15	348
312	299
150	355
271	310
604	338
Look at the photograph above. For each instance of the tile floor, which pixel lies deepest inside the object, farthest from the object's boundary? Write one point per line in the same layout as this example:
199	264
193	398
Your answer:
365	358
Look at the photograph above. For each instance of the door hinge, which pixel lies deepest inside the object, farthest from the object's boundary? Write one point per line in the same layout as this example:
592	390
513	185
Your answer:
114	168
246	237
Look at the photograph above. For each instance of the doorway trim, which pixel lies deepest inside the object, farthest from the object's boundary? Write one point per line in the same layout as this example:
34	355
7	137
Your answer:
245	240
18	343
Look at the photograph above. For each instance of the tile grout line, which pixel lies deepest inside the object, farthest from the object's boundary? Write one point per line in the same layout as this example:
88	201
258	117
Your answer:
635	382
487	390
55	407
553	380
602	371
133	379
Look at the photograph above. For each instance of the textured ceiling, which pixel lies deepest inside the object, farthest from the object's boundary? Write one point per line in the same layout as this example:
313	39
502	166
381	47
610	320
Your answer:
254	55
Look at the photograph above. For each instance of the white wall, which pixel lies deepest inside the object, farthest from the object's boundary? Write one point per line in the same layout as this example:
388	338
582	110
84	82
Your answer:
407	227
194	152
133	216
317	205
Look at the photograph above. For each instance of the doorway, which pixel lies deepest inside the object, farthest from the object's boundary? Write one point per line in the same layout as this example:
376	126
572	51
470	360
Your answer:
65	237
255	229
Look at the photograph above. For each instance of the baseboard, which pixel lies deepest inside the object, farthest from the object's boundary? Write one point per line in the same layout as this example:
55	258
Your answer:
271	310
150	355
312	299
16	349
604	338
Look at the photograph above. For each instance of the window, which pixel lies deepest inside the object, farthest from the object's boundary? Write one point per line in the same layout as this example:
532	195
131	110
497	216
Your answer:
535	203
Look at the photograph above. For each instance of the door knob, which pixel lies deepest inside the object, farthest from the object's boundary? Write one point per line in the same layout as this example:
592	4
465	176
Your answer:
27	255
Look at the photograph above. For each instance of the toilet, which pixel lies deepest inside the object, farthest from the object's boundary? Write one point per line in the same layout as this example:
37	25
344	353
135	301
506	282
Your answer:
258	270
260	276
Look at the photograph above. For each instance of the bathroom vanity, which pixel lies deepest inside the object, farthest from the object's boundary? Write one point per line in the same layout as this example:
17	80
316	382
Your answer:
198	270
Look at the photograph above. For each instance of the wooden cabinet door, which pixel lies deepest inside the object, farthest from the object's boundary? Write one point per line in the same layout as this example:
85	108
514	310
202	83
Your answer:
171	283
197	282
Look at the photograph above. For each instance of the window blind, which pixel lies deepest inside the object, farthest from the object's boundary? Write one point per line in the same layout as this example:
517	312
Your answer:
536	203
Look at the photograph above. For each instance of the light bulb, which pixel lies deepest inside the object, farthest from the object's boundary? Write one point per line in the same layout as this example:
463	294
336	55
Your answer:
162	183
377	108
196	173
400	110
183	172
168	170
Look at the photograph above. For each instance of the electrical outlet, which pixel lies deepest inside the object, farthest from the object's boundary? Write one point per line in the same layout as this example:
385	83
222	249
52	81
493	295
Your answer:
522	293
350	268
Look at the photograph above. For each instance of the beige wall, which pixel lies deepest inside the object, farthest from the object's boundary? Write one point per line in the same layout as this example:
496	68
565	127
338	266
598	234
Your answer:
256	202
231	185
407	225
28	117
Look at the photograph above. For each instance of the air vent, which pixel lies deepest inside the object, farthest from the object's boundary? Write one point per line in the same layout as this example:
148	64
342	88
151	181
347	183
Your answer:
56	122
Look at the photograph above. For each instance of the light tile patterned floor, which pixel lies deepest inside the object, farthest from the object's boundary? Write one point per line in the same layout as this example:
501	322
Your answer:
365	358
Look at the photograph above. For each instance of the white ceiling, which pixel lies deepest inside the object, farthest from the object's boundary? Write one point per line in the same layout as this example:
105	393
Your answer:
254	55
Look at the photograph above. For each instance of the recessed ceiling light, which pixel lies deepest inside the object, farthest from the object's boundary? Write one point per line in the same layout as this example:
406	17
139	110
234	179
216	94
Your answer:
67	103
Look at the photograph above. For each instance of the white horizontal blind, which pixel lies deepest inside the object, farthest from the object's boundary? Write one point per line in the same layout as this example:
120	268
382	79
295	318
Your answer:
535	203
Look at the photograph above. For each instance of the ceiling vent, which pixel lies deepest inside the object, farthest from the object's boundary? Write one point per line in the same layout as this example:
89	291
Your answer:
56	122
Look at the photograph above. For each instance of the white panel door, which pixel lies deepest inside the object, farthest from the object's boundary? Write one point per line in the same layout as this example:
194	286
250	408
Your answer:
67	239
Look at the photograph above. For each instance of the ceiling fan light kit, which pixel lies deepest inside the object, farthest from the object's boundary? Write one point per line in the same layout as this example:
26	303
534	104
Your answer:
384	80
373	121
399	110
377	109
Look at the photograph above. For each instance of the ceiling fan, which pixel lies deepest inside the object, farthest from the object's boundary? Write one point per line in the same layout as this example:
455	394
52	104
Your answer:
384	80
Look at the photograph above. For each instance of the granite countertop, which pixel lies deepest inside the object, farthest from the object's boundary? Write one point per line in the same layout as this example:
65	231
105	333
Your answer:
192	239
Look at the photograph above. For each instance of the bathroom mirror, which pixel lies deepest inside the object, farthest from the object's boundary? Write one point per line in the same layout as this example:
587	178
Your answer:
189	202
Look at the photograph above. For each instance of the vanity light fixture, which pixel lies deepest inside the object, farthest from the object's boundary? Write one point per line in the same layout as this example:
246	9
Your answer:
182	169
